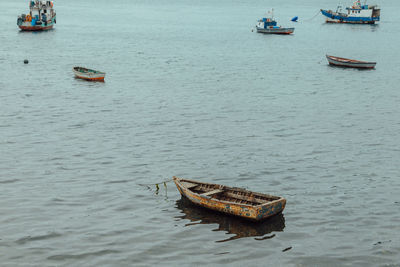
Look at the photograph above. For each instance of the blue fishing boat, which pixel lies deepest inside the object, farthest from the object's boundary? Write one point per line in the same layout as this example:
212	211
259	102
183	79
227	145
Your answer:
269	25
356	14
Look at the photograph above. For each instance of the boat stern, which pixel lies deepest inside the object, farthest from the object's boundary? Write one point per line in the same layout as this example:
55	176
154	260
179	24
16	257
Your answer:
267	210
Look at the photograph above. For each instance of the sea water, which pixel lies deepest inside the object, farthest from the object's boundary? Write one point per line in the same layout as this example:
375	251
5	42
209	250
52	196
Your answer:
192	90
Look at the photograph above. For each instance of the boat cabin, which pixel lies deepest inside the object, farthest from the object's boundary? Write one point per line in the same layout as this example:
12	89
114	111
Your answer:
266	23
41	10
358	10
269	22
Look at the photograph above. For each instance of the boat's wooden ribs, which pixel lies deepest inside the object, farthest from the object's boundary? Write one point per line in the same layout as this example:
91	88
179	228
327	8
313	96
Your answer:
189	185
212	192
248	199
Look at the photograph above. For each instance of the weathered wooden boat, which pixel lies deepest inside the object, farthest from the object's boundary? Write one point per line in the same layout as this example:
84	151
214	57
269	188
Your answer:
356	14
231	200
269	25
350	63
88	74
42	16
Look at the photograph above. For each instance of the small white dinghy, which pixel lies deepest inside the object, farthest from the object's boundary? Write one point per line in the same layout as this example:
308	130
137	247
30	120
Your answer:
88	74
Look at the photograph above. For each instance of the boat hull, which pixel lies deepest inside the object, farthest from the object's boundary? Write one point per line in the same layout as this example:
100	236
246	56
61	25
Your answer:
36	28
249	212
333	17
275	30
27	25
350	63
97	79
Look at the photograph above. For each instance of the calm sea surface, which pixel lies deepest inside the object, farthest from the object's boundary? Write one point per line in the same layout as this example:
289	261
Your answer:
191	91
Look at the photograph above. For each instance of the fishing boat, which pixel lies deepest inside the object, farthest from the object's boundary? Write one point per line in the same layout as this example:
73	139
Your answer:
350	63
42	16
356	14
88	74
231	200
269	25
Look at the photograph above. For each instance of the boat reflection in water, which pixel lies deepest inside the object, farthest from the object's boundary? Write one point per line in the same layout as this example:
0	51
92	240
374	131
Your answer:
231	225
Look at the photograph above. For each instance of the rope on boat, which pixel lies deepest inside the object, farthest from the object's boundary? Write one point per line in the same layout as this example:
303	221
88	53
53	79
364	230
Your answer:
313	16
157	185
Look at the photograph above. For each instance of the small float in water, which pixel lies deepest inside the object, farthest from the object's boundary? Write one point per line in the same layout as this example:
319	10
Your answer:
269	25
350	63
356	14
88	74
234	201
42	16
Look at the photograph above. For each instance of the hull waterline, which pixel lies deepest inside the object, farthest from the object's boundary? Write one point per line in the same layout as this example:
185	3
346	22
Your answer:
36	28
275	31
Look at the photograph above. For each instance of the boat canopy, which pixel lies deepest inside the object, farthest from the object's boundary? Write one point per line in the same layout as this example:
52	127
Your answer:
269	22
357	5
357	8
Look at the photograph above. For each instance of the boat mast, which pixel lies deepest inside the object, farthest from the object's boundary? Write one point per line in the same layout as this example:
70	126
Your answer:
339	8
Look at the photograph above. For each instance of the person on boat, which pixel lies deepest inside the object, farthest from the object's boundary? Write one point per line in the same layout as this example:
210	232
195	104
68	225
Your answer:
357	4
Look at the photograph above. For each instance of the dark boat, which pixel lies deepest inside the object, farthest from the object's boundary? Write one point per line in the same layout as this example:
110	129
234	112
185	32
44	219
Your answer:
350	63
231	200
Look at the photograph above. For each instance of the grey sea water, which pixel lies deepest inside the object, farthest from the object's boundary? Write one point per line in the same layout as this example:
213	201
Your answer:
192	91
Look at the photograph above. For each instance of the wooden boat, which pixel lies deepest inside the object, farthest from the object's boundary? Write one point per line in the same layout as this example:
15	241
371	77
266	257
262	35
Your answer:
350	63
88	74
235	201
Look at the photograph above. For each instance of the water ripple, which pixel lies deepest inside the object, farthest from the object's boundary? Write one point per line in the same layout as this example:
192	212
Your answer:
63	257
28	239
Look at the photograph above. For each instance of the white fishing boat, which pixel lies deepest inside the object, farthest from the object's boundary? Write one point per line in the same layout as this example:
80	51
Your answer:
42	16
269	25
